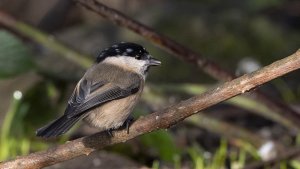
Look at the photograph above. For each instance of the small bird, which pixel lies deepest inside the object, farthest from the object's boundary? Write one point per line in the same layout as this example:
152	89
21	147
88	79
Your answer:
107	93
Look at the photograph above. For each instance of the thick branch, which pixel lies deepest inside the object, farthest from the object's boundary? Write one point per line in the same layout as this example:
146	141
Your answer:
190	56
158	120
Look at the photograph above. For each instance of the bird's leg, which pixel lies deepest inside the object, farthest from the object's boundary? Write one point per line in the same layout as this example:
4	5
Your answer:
126	125
128	121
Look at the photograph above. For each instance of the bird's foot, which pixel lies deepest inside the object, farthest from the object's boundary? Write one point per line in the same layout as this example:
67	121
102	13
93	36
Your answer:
128	122
126	125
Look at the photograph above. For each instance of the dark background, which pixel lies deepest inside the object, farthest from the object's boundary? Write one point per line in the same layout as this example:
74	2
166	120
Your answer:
241	36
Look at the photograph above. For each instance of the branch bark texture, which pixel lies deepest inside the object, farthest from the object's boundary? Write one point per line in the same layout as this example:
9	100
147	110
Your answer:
191	57
159	120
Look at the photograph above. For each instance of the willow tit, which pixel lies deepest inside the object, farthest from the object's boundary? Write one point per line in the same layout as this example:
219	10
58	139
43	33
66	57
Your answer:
106	94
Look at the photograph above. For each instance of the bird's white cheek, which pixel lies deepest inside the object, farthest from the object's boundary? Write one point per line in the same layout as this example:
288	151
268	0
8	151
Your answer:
129	63
138	66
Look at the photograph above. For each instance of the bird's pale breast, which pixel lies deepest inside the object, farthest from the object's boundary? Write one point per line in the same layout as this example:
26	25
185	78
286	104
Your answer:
112	114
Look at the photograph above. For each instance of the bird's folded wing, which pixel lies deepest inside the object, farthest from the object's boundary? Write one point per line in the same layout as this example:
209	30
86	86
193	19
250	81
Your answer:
87	96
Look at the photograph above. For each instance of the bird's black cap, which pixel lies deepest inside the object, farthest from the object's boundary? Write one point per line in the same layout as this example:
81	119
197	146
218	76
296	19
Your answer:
124	49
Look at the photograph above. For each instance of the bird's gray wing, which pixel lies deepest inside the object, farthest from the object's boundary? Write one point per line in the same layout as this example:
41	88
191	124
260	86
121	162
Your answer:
87	96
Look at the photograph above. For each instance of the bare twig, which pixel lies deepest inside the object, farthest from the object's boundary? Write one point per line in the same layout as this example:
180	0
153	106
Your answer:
242	101
158	120
158	39
232	132
188	55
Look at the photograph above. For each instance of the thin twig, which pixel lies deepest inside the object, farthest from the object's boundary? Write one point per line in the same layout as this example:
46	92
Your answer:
188	55
158	39
159	120
232	132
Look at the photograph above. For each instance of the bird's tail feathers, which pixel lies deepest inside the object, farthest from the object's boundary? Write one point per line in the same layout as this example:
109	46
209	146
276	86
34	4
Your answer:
57	127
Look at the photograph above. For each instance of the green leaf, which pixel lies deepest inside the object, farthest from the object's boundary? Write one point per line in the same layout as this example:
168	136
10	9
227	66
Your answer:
15	57
197	156
295	164
163	143
220	156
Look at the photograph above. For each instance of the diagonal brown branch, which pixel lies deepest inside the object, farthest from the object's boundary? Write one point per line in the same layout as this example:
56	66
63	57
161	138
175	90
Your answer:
188	55
158	120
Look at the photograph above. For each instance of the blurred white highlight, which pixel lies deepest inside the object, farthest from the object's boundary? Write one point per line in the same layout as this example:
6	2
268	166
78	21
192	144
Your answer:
18	95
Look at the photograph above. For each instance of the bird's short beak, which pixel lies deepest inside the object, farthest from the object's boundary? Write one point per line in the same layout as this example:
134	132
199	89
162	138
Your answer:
154	62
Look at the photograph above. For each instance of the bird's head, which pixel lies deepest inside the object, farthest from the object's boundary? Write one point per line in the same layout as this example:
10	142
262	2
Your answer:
129	56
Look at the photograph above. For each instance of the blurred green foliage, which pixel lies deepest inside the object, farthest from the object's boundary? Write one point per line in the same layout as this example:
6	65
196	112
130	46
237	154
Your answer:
15	57
25	115
295	164
216	162
9	145
223	32
163	143
226	33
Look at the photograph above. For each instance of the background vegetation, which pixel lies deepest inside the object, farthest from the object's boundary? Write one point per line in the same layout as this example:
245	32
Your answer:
241	36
